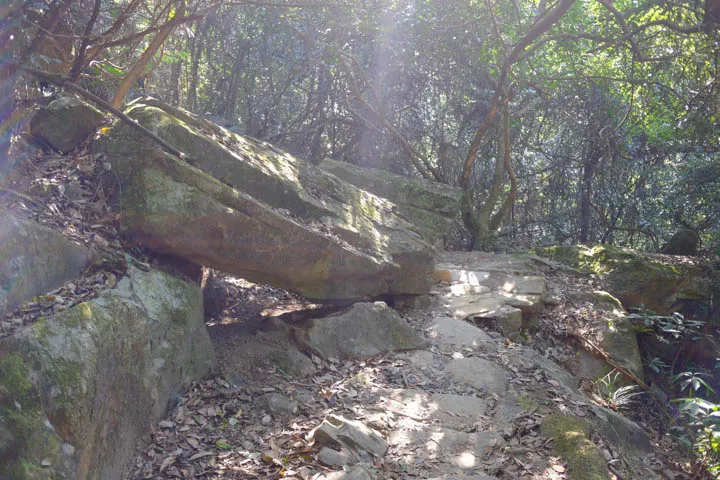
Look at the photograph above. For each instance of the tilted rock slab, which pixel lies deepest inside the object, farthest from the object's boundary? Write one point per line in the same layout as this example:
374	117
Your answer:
34	259
244	207
430	206
78	389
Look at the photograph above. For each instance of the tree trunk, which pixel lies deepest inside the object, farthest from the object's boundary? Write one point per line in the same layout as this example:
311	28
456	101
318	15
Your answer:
195	54
138	69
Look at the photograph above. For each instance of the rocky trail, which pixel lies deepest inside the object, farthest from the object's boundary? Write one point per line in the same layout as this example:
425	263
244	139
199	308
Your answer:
112	302
471	402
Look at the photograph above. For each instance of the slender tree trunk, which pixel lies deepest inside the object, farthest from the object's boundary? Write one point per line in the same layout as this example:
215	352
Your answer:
138	69
322	93
233	87
589	168
175	71
196	53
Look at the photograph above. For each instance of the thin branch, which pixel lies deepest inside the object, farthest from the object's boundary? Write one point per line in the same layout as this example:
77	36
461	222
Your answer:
79	64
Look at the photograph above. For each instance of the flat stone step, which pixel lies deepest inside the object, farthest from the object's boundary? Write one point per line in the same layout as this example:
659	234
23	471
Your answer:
454	332
478	373
463	450
446	409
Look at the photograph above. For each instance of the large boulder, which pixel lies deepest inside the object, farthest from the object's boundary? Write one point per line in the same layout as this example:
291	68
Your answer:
243	207
684	242
634	277
78	389
34	259
65	122
431	207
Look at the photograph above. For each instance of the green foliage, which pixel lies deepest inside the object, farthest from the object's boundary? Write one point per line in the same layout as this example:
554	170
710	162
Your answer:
614	112
700	429
673	328
615	393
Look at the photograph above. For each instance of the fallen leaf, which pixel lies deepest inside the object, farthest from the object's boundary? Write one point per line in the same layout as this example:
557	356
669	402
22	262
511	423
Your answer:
167	462
201	455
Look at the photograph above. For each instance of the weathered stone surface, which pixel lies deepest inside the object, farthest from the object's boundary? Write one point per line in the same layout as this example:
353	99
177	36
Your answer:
598	298
478	373
430	206
618	338
462	450
447	409
635	278
526	285
352	437
420	359
503	313
333	458
81	387
454	332
533	359
65	123
570	440
620	430
292	361
34	260
367	329
506	319
243	207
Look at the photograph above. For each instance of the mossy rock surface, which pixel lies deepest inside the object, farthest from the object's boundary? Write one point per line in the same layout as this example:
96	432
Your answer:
635	278
78	389
34	259
570	440
430	206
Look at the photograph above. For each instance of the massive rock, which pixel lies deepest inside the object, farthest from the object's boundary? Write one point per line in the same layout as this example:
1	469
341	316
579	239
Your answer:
638	278
78	389
684	242
242	206
65	123
34	259
431	207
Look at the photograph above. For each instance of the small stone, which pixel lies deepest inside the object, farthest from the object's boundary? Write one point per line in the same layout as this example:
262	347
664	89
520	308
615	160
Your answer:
363	442
266	419
334	458
293	362
356	473
278	404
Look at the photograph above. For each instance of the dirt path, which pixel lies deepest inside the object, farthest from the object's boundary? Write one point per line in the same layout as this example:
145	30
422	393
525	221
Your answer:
469	405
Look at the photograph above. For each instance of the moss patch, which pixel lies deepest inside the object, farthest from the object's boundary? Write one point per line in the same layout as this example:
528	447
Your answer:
570	441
